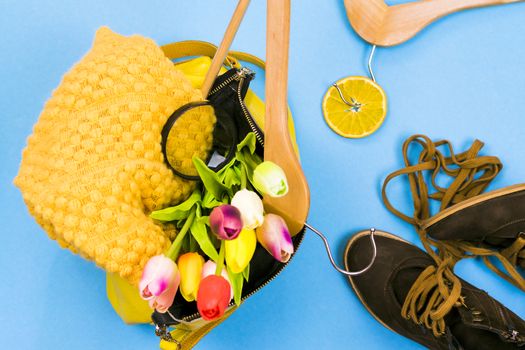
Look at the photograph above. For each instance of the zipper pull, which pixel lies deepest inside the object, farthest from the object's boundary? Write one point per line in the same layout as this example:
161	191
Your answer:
244	72
164	334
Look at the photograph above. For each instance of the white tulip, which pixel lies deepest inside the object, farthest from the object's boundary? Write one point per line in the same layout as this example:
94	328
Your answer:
251	208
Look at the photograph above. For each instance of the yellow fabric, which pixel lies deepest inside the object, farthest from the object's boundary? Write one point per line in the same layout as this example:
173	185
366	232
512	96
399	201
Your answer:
93	168
126	300
202	48
187	336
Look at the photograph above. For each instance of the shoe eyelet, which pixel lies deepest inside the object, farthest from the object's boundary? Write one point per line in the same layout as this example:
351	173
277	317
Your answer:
477	319
476	312
512	335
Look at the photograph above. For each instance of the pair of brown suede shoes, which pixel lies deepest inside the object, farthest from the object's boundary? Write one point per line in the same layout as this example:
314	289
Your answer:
416	293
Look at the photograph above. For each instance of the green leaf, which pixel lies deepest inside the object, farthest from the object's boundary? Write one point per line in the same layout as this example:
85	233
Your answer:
210	179
221	172
231	177
246	272
198	211
178	212
193	244
249	143
249	161
247	158
239	156
209	201
252	160
186	245
214	240
205	220
200	233
237	281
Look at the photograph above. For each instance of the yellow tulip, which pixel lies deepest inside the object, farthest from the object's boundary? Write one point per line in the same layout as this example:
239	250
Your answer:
239	251
190	267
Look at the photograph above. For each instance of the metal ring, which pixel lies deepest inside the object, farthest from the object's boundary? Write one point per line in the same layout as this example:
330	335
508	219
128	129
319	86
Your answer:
328	251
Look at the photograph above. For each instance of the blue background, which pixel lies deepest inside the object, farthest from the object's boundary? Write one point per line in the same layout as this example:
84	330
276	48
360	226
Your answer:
462	78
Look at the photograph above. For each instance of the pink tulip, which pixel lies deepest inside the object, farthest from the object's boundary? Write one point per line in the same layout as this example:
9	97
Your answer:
159	283
226	222
275	237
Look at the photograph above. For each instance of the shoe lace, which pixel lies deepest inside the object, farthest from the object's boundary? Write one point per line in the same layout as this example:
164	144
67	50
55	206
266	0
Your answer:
515	253
437	290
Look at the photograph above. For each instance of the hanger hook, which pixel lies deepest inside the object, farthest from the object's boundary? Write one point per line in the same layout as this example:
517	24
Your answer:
370	58
328	251
354	105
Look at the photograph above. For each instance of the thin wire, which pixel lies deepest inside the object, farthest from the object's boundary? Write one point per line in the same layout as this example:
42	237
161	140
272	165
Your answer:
329	252
372	76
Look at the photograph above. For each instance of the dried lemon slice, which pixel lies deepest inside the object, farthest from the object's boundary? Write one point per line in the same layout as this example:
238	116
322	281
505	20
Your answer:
354	107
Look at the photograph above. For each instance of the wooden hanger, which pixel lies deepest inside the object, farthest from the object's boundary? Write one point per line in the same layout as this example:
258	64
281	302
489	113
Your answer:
222	50
278	146
384	25
294	206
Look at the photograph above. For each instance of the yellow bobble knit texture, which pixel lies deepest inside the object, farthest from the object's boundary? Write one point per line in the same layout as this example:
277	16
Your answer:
93	169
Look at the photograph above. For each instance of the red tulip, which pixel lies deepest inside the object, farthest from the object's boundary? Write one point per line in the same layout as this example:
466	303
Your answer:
209	268
213	297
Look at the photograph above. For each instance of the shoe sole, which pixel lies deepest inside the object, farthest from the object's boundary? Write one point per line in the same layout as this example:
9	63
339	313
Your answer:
348	246
472	201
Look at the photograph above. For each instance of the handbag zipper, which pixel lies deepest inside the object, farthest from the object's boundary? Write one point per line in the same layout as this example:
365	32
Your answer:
240	76
277	273
256	130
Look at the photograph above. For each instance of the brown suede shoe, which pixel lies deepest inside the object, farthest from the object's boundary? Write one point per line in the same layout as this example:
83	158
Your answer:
493	221
479	322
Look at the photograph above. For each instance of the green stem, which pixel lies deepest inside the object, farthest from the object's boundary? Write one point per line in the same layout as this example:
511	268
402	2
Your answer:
244	179
250	187
173	252
220	263
249	158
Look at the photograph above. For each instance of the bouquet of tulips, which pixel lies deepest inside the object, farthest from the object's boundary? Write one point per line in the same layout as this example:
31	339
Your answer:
225	213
